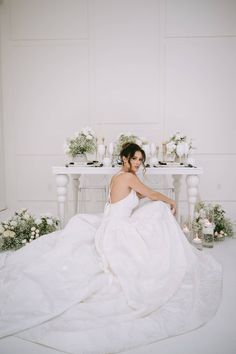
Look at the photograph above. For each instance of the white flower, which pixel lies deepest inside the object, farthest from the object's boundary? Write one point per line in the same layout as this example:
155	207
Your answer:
185	147
143	140
32	233
23	241
33	228
37	231
82	142
66	148
87	131
207	222
38	221
12	234
49	221
138	141
13	223
128	134
1	229
26	216
177	139
23	210
202	213
170	147
178	136
8	233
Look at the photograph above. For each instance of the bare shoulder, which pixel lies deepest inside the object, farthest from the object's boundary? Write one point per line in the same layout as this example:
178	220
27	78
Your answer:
125	177
128	176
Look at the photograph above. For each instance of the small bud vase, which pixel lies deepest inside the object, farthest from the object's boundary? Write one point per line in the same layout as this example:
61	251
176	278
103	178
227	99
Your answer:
208	237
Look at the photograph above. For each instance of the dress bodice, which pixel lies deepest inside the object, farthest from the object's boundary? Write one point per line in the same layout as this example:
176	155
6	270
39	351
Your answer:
122	208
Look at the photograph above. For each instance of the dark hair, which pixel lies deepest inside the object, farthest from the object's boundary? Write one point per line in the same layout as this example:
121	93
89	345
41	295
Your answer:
128	150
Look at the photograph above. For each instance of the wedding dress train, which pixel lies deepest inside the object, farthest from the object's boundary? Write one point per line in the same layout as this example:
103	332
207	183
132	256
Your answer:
110	282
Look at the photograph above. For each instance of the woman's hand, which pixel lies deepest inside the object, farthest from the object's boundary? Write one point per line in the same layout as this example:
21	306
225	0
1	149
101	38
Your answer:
173	207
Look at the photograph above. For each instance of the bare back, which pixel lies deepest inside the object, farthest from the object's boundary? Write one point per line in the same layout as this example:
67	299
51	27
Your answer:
119	187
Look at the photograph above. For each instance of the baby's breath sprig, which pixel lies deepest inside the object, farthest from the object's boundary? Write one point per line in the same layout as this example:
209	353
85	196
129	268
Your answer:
23	228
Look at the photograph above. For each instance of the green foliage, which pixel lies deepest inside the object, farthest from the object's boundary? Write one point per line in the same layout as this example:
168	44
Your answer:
216	215
81	143
23	228
123	139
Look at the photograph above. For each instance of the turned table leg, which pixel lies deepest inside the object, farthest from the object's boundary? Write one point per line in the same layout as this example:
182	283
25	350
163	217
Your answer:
76	183
177	187
62	182
192	192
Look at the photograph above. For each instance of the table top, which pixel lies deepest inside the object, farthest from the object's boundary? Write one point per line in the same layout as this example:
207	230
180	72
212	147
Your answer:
160	170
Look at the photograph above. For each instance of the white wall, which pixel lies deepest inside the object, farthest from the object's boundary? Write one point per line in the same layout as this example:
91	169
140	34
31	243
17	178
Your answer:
147	66
2	162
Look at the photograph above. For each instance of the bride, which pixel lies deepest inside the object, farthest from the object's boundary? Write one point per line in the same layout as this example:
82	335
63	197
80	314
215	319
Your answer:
107	284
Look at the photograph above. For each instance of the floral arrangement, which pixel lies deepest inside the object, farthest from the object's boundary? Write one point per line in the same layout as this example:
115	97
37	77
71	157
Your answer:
128	138
82	142
23	228
214	214
178	142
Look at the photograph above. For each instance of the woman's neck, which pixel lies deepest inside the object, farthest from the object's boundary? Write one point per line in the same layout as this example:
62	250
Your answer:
124	169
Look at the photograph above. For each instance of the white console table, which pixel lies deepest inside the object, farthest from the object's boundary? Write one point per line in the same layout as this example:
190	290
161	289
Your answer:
63	173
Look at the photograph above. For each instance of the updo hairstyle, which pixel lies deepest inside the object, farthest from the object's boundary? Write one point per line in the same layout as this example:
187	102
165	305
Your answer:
128	150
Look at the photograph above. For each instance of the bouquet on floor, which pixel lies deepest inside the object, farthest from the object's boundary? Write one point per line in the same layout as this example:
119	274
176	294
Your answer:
23	228
214	214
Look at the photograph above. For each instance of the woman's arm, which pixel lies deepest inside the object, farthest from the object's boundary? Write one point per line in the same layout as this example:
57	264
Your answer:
145	191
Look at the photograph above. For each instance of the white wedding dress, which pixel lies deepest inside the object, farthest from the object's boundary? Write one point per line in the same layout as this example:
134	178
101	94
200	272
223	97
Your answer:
110	282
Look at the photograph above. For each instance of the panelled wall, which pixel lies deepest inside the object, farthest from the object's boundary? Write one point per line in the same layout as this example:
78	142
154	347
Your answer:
2	161
151	67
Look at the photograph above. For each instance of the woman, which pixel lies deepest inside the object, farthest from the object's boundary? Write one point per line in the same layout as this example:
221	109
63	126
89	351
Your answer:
132	156
106	285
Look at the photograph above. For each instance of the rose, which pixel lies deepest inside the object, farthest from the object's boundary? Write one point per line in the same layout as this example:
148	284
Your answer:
8	233
171	147
38	221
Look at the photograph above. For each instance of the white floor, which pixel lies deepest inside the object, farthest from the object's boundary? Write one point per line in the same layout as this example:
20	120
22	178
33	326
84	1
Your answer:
216	337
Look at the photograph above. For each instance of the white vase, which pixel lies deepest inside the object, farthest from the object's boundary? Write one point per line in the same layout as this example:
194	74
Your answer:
106	162
101	152
80	160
